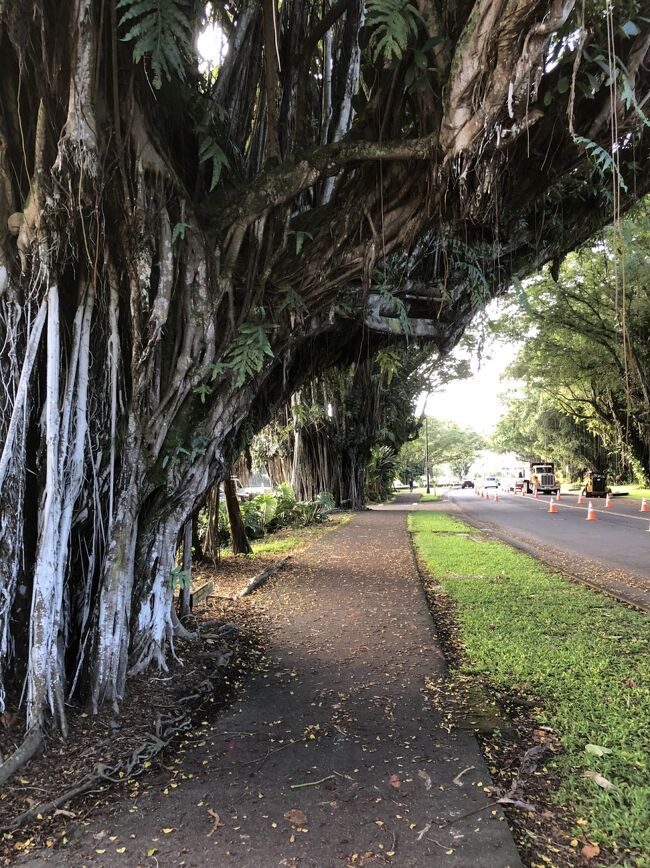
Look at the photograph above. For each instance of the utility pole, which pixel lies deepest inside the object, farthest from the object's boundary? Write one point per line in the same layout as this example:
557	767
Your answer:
426	452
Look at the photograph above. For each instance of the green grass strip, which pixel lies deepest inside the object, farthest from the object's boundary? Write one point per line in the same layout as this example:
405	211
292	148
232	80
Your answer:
444	523
582	654
430	498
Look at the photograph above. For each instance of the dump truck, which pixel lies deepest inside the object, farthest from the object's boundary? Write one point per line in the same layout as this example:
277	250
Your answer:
538	476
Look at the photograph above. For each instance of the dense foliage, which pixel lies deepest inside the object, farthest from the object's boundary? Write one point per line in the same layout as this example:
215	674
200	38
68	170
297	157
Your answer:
586	357
445	443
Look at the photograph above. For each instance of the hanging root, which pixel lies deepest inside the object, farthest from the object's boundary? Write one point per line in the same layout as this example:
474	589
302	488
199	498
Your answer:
29	747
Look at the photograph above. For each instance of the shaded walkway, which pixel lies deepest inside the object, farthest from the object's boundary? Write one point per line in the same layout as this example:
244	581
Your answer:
344	703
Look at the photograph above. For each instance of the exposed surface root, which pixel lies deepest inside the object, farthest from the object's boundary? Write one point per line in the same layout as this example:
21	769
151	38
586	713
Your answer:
29	747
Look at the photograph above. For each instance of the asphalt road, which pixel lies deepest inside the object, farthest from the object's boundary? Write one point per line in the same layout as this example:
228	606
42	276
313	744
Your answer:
612	553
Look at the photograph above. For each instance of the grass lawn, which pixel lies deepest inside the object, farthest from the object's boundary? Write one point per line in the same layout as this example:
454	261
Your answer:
430	498
583	656
289	539
633	491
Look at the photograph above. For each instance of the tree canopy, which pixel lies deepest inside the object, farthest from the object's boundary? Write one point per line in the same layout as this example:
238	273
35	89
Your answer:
184	248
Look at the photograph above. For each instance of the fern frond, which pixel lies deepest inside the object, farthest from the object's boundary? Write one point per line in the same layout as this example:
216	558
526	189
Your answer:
160	30
247	354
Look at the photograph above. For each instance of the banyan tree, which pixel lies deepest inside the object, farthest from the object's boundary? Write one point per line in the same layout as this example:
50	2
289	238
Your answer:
182	246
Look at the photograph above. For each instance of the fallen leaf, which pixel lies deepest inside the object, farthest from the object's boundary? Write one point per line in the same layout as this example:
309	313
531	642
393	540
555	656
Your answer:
600	780
167	831
152	851
295	816
426	778
394	781
597	750
590	851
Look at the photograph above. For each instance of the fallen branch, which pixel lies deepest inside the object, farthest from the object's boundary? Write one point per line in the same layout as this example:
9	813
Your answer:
262	577
311	783
457	779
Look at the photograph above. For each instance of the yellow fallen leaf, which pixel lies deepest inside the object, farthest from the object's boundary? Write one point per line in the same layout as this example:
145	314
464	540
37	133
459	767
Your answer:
152	852
295	816
167	831
120	849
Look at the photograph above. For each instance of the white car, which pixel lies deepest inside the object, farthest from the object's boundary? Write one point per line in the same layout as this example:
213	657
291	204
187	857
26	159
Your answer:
491	482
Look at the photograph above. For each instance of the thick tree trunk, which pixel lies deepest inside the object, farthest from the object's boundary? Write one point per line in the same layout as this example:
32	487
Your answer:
238	536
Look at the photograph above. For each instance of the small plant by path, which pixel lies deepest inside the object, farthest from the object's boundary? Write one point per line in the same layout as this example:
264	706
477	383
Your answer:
582	661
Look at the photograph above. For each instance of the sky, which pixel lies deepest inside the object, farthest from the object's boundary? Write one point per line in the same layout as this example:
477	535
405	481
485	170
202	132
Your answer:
475	403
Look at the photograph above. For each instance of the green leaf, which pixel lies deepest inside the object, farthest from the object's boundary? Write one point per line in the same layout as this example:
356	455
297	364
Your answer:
247	355
202	391
161	31
563	84
179	231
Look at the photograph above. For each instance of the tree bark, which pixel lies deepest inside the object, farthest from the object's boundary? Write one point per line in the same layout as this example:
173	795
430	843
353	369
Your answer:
238	536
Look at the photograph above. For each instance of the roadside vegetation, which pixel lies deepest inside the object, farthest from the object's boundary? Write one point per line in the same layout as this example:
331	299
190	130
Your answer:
288	540
585	363
578	659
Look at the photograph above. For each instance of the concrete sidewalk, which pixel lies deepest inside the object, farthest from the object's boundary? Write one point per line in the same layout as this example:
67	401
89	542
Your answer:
335	757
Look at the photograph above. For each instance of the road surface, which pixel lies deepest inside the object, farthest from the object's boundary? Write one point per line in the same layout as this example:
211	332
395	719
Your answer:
612	553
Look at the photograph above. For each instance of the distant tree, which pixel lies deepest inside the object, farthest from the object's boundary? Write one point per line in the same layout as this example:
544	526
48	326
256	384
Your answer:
586	356
449	443
533	426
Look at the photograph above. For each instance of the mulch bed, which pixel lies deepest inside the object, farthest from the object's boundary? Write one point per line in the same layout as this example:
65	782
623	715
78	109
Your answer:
545	836
108	737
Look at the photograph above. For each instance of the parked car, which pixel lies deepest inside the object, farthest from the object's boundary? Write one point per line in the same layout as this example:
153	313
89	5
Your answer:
242	493
491	482
467	483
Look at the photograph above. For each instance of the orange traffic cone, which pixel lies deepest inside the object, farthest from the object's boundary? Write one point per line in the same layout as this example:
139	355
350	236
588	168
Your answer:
581	498
558	494
535	494
608	502
496	498
644	506
552	507
591	513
